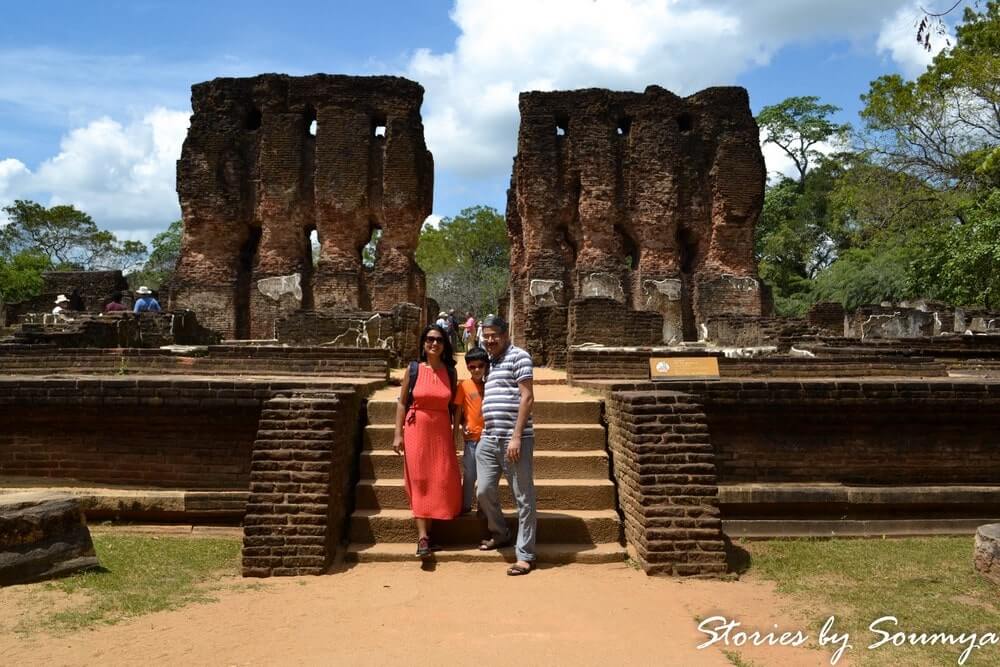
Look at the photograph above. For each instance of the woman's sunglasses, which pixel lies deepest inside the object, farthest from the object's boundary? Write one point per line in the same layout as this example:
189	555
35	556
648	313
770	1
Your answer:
434	340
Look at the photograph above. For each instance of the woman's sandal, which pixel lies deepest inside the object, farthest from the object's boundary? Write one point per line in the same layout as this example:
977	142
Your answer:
493	543
516	570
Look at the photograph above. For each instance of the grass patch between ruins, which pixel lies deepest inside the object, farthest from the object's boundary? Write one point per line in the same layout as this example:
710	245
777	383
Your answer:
928	584
141	575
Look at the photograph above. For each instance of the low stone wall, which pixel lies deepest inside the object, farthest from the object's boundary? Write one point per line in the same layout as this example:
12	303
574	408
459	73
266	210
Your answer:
397	330
820	457
292	444
113	330
595	363
665	470
215	360
606	321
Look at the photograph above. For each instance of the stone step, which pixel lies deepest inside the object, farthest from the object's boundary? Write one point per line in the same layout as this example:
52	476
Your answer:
547	436
610	552
574	494
562	527
591	464
574	411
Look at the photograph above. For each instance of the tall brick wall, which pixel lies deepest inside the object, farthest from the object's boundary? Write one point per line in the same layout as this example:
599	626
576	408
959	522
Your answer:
271	158
664	466
645	198
299	479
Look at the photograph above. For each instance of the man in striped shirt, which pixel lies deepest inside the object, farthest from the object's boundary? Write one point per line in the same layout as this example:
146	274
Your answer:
507	444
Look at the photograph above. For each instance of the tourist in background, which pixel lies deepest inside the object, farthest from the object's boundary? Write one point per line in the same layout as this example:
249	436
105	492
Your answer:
115	305
425	437
453	329
61	311
442	321
507	445
469	334
145	301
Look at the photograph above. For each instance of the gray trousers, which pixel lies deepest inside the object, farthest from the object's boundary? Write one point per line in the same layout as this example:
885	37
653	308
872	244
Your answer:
491	461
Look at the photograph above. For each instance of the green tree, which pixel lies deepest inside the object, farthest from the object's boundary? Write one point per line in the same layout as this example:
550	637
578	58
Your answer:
797	125
21	275
67	236
941	126
162	261
466	259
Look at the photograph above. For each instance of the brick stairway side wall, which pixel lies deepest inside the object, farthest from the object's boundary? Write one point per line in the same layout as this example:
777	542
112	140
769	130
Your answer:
664	466
299	478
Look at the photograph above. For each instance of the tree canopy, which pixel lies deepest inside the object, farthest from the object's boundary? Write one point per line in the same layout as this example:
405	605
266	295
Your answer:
912	207
466	259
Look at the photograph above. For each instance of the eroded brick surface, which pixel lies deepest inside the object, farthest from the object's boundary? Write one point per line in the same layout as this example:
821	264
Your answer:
267	160
648	199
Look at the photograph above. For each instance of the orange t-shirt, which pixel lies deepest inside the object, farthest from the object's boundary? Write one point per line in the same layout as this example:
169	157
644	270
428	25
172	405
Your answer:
470	396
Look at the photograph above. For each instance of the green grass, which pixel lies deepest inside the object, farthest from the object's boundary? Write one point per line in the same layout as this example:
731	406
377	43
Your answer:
928	584
140	575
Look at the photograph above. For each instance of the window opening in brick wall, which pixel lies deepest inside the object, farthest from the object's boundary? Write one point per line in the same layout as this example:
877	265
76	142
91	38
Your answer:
562	125
310	257
628	247
687	247
312	125
685	122
244	276
624	126
369	254
253	120
379	123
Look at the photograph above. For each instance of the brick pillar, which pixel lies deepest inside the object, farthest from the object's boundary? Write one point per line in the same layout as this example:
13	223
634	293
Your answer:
665	469
299	475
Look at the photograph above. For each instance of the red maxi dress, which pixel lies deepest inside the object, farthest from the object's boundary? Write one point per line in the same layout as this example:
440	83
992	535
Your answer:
430	466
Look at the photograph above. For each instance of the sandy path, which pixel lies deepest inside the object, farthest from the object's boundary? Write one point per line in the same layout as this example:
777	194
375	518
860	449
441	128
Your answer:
461	613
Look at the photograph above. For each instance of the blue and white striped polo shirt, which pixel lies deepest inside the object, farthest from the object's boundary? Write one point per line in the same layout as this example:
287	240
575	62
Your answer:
501	396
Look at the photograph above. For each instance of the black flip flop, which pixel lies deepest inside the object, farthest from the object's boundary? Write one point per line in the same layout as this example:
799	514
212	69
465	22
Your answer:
493	544
519	570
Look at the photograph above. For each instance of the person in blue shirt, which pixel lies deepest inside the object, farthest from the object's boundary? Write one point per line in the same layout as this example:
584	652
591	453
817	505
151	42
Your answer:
145	302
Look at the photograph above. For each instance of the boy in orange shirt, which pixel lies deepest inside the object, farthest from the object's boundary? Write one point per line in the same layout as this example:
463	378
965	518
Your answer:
469	415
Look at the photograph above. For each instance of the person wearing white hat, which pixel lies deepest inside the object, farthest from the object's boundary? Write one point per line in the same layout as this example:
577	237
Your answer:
61	303
145	302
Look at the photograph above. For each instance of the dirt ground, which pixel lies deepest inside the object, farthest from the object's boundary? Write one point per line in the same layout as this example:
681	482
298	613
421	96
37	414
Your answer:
455	614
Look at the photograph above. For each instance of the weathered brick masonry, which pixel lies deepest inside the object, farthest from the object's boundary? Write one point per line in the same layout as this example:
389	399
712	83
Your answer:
664	465
270	159
647	198
216	360
619	364
299	483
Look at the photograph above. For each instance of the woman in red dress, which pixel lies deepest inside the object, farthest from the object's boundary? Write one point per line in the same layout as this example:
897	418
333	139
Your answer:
424	435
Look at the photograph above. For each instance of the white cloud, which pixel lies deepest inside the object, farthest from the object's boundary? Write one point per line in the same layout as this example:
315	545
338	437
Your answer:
470	108
898	39
121	175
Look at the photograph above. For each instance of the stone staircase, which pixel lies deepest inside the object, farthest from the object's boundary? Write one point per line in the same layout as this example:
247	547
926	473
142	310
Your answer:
577	519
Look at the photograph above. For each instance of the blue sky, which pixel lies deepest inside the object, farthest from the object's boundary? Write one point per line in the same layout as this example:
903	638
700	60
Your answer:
95	96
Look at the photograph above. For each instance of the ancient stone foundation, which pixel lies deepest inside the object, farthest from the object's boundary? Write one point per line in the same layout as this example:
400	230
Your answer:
647	199
270	159
42	535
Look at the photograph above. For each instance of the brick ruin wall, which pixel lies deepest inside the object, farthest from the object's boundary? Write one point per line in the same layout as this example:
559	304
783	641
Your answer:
93	290
597	364
272	158
212	361
284	450
689	454
397	330
647	198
